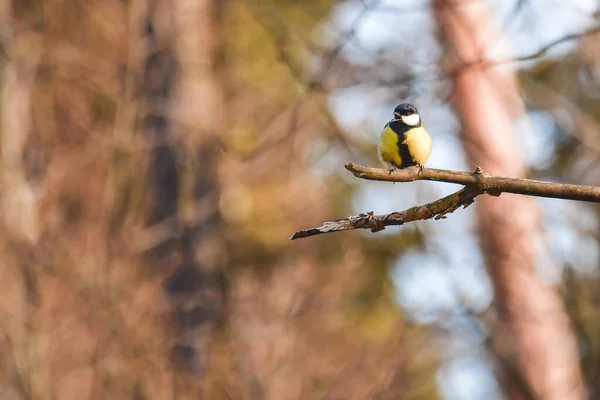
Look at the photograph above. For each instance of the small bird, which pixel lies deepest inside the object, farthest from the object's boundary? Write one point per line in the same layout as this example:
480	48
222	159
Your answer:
404	142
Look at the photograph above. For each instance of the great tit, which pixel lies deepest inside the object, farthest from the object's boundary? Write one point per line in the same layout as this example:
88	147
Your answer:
404	142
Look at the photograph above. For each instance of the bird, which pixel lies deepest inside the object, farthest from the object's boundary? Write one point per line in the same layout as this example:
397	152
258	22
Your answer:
404	142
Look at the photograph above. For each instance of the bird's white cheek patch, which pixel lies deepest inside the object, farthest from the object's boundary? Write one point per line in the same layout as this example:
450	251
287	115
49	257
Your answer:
411	120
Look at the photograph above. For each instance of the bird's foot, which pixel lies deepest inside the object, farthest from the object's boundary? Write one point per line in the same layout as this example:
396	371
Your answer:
421	168
392	169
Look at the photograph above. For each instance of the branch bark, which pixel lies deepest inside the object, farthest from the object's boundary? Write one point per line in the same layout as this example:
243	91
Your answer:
476	183
490	184
437	209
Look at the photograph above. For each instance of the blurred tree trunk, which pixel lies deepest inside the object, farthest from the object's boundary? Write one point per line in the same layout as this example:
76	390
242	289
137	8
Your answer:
485	98
18	74
19	203
96	92
183	115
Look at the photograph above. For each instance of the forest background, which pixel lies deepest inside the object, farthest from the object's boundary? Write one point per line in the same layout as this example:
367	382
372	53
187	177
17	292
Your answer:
156	156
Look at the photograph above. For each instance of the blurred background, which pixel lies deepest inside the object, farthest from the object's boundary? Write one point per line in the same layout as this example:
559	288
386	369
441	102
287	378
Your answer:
156	155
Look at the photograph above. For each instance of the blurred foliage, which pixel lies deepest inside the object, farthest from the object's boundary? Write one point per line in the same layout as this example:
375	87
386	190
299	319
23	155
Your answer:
84	314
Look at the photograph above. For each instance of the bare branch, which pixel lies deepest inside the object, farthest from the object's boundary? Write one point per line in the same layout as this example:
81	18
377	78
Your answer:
543	50
476	183
490	184
437	209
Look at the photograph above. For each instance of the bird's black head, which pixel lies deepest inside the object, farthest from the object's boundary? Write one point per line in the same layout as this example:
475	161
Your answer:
408	114
405	109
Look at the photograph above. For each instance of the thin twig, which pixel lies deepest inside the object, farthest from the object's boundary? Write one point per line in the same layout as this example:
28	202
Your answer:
476	183
490	184
437	209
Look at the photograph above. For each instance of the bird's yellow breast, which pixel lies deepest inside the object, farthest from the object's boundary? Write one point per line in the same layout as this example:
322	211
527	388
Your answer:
388	147
416	143
419	144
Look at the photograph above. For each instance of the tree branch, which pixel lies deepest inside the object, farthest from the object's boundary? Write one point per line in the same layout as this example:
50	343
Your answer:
476	183
437	209
490	184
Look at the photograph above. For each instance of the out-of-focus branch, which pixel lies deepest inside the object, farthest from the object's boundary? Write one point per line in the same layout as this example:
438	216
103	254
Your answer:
543	50
584	127
490	184
437	209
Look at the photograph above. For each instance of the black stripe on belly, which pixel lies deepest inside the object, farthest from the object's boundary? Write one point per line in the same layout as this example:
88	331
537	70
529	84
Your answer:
405	157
